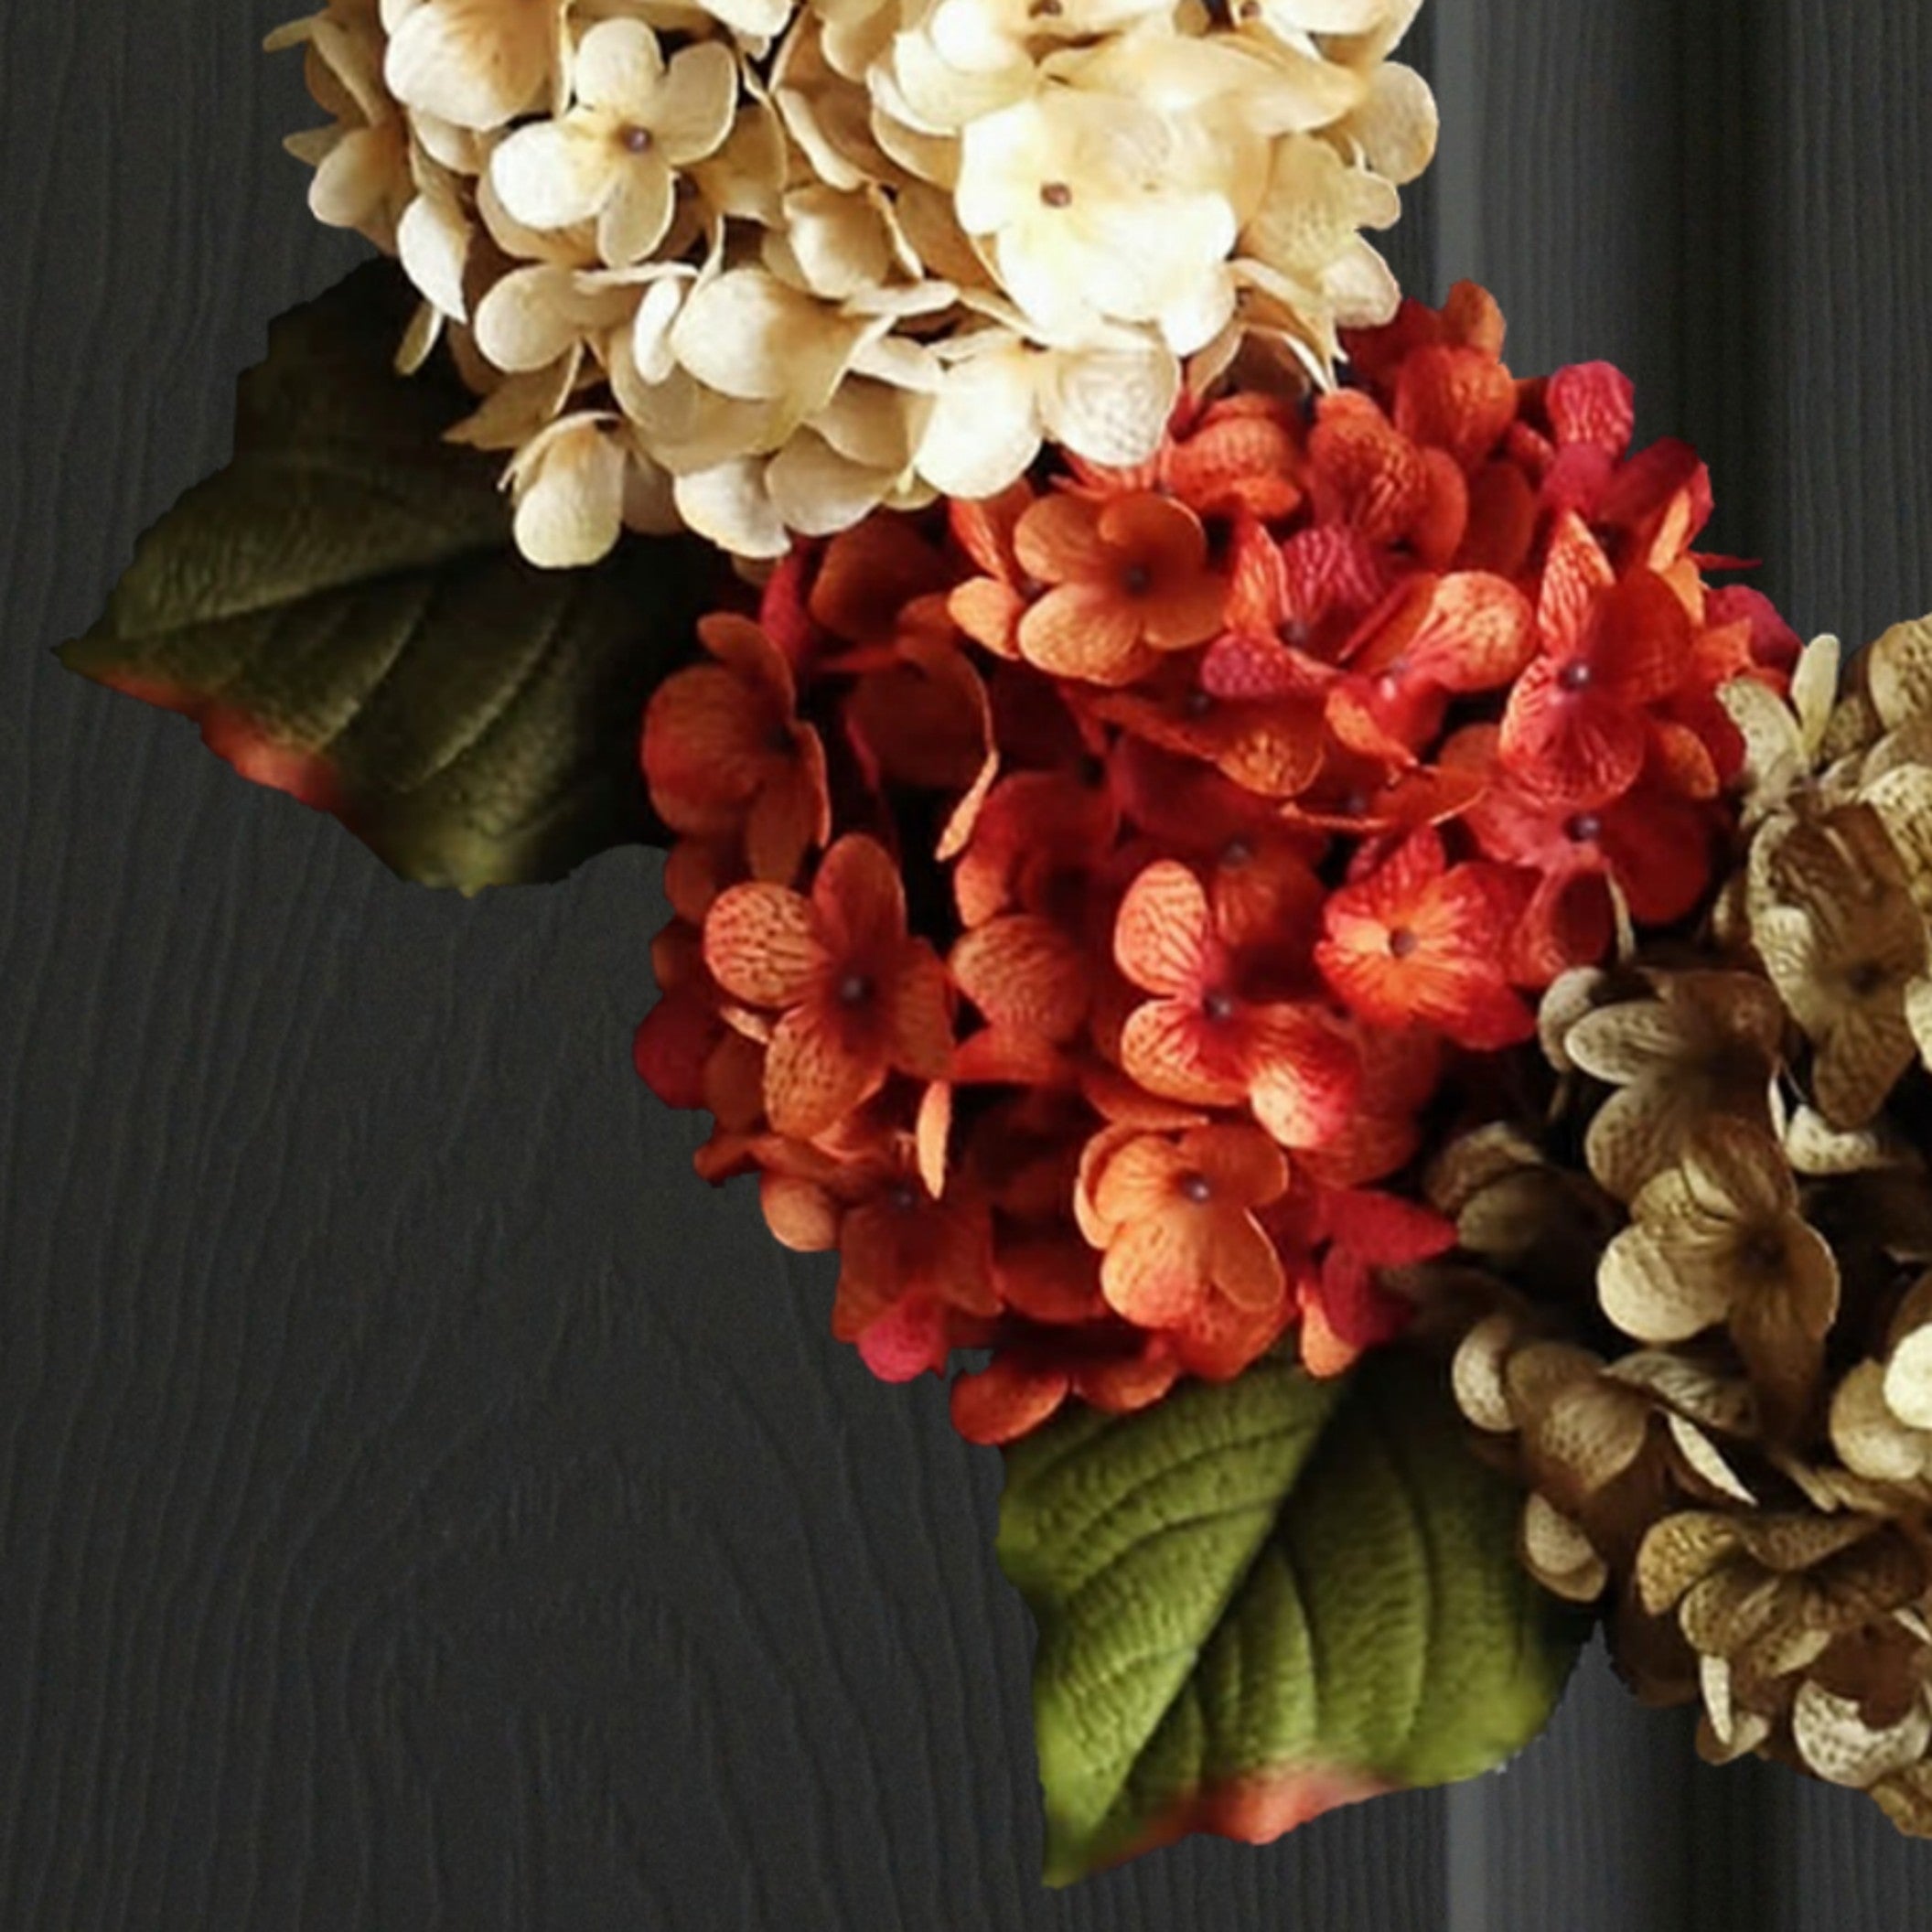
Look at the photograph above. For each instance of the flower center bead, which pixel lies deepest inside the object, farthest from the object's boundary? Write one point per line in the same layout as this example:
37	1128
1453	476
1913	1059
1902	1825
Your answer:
1236	853
1865	979
1217	1006
902	1199
1402	943
635	140
1573	677
1199	704
1046	9
1055	194
1197	1188
1584	829
1354	806
1136	580
854	990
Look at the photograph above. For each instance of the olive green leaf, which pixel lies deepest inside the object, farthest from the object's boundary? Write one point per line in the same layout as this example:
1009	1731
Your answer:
1261	1598
343	610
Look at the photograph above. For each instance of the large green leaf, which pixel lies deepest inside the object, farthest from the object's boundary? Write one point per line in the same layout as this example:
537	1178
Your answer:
1258	1599
343	609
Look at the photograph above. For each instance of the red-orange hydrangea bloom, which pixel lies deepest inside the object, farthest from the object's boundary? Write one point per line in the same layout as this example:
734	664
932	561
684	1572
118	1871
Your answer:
1084	897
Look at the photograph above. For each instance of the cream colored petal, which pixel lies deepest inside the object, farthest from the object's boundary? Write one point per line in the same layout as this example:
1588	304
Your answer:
554	173
872	424
527	319
1903	800
1842	1749
984	429
356	178
1908	1379
519	407
817	490
434	239
1109	405
1705	1456
1559	1555
636	214
1626	1042
730	505
619	68
468	61
837	241
1396	128
1660	1290
1868	1436
1477	1375
570	495
424	331
1814	689
1898	671
695	109
749	336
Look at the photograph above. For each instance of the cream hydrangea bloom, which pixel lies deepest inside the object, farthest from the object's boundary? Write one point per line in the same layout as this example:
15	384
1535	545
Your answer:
613	157
762	266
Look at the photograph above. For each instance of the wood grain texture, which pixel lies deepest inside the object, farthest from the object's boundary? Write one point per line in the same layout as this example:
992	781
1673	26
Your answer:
425	1505
422	1504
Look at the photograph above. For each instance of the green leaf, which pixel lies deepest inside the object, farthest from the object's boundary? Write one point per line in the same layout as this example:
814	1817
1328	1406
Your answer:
343	610
1264	1597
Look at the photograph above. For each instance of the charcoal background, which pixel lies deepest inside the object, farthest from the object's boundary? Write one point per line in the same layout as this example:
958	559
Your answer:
422	1504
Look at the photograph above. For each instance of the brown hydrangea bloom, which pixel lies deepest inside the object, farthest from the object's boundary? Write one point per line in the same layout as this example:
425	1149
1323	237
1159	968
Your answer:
1705	1221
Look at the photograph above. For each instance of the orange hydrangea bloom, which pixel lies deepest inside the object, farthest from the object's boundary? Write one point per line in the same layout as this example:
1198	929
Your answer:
725	753
1227	804
1202	1039
1128	579
856	997
1421	941
1179	1215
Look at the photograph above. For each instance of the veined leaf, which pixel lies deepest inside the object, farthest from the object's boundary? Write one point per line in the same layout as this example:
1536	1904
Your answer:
1263	1598
343	610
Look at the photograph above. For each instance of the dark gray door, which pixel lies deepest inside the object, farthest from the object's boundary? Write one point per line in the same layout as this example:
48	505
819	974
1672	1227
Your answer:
422	1504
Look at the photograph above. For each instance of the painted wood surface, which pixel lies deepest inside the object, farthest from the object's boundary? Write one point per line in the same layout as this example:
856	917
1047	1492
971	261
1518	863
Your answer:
422	1504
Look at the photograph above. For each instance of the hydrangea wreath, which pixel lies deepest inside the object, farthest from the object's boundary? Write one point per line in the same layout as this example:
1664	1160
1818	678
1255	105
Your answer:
1224	853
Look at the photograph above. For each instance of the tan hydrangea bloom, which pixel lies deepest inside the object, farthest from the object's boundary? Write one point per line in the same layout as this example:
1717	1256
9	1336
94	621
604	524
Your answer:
1602	1446
1706	1044
1842	940
1772	1603
1718	1239
825	257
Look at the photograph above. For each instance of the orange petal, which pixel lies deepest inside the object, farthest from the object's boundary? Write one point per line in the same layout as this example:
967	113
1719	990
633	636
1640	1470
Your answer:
1023	972
1050	1280
1124	1383
1575	575
932	1130
1006	1399
1169	1048
1085	631
1245	1166
1137	1180
1163	936
919	1015
1059	540
861	897
1155	1272
1244	1263
801	1214
762	944
1308	1078
1324	1353
812	1081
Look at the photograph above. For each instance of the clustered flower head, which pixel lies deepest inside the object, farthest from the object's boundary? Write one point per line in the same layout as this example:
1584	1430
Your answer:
1083	895
1720	1405
757	267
